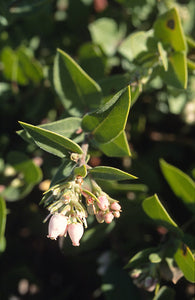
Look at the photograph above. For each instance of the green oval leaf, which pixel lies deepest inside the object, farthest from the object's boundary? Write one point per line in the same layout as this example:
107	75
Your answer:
109	121
186	262
78	92
31	67
155	210
181	184
169	30
50	141
81	171
109	173
66	127
155	258
106	33
139	258
118	147
135	44
176	75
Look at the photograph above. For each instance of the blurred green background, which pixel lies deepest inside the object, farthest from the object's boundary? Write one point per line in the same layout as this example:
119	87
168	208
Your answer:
160	125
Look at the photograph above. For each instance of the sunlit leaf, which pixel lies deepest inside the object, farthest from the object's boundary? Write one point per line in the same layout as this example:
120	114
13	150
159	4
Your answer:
109	121
169	30
135	44
118	147
106	33
81	171
109	173
186	262
155	210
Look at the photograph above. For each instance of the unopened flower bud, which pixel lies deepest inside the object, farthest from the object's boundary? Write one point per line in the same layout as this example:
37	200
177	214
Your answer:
116	214
103	202
108	217
150	283
115	206
57	226
75	231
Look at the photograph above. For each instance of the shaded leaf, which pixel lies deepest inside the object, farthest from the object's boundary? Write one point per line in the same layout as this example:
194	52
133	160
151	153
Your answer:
66	127
163	56
181	184
112	84
11	69
22	6
21	163
78	92
92	60
165	293
64	172
109	121
176	74
31	68
27	175
109	173
139	258
50	141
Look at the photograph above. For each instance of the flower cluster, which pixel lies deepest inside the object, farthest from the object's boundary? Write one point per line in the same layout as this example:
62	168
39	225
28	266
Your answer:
70	203
145	278
104	208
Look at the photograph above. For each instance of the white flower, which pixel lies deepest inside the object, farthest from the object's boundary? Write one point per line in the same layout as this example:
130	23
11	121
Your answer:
57	226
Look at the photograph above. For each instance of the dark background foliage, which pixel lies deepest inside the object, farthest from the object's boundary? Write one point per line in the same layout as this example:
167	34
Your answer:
32	266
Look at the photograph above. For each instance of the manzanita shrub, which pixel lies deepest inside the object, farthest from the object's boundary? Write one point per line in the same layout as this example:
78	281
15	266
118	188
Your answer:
74	192
93	122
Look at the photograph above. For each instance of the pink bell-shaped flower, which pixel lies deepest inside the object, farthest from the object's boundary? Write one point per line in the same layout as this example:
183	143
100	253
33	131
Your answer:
75	231
108	217
57	226
115	206
103	202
